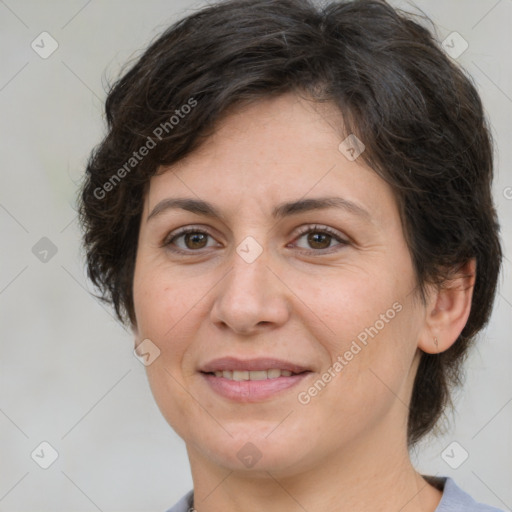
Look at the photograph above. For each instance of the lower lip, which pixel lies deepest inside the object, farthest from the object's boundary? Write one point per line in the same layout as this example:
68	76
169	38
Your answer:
252	390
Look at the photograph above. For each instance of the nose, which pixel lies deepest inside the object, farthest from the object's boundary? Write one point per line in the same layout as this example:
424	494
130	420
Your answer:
251	297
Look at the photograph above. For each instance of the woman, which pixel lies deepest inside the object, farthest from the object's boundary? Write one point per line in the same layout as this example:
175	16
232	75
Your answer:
292	210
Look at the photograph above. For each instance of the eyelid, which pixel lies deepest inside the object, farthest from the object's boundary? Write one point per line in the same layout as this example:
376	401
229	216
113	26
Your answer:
343	240
324	229
302	231
183	231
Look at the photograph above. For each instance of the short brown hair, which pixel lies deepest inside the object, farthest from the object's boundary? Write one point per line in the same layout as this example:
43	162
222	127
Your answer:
418	114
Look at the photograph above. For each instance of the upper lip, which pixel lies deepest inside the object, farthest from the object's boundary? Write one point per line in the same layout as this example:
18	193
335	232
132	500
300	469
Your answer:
262	363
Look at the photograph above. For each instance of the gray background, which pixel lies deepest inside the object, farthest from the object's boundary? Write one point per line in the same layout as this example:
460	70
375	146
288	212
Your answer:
68	375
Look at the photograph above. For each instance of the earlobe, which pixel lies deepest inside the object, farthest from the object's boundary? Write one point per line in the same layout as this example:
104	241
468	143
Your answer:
448	310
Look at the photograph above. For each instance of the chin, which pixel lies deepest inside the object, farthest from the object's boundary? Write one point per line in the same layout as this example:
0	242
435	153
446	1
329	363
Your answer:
256	453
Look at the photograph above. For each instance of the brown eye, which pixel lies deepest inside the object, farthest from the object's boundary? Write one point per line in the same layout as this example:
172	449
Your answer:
319	240
189	240
195	240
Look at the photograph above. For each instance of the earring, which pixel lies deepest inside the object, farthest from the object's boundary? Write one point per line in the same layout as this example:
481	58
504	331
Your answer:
435	341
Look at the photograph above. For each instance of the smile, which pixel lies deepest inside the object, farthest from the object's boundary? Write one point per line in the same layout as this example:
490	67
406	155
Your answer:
252	380
240	375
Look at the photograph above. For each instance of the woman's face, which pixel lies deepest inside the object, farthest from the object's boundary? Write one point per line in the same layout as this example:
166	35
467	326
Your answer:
269	280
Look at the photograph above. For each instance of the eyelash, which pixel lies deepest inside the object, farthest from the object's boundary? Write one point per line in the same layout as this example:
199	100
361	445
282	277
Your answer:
305	230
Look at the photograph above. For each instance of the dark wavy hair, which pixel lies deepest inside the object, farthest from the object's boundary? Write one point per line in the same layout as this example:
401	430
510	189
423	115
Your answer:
418	114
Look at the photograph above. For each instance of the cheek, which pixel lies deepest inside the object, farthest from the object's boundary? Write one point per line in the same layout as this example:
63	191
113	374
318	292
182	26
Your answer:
160	300
158	313
373	323
356	304
164	310
370	382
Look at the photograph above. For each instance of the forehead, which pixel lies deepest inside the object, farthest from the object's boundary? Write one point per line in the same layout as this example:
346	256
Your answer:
273	150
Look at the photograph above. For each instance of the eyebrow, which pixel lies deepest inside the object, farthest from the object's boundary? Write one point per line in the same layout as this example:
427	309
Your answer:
282	210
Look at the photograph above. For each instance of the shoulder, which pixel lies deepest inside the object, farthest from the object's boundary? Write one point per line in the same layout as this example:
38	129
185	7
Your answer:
456	500
185	504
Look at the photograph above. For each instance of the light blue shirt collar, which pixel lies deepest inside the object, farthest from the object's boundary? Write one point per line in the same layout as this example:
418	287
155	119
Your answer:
454	499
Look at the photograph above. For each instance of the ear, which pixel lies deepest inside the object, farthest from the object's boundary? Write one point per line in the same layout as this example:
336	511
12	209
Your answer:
447	311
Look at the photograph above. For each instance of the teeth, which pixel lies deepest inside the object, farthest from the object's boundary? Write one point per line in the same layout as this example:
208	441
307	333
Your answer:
258	375
274	373
240	375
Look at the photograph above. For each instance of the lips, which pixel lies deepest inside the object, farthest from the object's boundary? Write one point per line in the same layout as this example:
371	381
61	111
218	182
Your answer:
252	365
253	380
239	375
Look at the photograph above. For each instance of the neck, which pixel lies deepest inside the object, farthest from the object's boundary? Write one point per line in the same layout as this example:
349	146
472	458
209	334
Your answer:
367	475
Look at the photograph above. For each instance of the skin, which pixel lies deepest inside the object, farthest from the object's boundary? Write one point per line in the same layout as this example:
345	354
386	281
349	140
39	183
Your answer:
346	449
